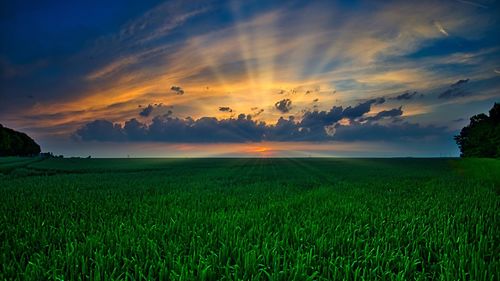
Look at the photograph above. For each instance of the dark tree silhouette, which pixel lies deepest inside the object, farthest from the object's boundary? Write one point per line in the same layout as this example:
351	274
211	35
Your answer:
13	143
481	138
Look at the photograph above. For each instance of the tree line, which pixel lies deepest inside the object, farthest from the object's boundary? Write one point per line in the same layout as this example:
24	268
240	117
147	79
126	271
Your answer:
13	143
481	138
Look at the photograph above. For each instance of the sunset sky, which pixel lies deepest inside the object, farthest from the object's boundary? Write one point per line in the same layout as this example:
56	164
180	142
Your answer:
247	78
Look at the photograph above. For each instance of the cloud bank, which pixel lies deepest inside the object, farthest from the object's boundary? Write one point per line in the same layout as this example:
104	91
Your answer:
338	123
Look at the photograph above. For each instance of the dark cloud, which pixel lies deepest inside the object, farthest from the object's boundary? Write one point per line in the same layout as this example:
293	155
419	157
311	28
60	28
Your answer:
312	119
460	82
284	105
158	108
135	130
453	93
392	113
146	111
406	96
285	130
320	119
393	132
178	90
225	109
314	123
362	108
172	129
205	129
100	130
314	126
258	112
456	90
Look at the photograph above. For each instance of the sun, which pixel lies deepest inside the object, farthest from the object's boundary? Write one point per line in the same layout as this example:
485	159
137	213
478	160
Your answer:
259	150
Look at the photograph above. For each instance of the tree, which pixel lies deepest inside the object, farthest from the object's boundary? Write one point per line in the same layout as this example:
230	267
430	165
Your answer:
13	143
481	138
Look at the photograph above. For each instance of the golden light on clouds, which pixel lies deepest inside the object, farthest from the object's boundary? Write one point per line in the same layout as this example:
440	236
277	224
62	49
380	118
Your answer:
321	56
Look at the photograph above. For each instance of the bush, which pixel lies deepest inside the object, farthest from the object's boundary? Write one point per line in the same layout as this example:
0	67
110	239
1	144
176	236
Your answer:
481	138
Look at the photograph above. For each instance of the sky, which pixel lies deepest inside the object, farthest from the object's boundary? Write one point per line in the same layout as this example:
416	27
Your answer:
247	78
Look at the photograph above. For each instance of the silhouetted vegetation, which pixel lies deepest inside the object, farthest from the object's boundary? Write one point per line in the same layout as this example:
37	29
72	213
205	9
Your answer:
13	143
481	138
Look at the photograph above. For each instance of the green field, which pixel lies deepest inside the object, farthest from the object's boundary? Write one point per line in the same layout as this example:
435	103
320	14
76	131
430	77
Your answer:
249	219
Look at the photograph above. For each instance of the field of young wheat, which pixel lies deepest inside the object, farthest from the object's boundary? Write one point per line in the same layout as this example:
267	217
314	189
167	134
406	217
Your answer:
249	219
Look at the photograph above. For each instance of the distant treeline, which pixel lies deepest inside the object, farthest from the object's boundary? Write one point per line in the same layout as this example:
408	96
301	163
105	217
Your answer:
13	143
481	138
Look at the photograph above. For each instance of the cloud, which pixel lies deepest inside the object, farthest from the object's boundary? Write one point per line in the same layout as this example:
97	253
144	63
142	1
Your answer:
100	130
135	130
456	90
393	132
338	123
225	109
205	129
453	93
285	130
146	111
284	105
406	96
362	108
257	111
158	107
244	129
475	4
334	45
460	82
316	120
392	113
441	28
178	90
319	125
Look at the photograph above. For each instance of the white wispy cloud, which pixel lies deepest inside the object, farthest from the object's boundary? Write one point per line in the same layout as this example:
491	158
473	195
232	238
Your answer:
475	4
441	28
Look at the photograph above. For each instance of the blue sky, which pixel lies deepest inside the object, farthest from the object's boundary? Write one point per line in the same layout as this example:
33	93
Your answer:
323	78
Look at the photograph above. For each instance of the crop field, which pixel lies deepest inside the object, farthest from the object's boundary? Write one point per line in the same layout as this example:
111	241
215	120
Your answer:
249	219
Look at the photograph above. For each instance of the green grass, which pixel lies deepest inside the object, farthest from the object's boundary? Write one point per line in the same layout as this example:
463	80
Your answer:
250	219
481	169
8	164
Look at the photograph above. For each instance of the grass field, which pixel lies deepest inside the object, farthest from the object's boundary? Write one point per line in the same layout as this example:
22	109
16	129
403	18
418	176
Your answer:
249	219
